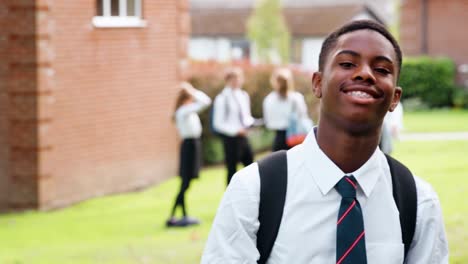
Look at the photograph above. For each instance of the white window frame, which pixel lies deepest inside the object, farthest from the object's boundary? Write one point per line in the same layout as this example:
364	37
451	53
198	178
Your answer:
122	20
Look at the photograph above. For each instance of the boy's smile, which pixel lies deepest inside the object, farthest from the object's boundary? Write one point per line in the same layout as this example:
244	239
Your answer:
358	83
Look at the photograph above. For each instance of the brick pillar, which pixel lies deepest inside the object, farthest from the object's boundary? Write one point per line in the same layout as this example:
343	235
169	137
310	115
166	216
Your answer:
20	94
4	147
184	36
45	97
410	27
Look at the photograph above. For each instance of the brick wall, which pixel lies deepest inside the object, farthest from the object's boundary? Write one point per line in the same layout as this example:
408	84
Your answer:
4	157
108	100
445	33
410	27
89	108
18	104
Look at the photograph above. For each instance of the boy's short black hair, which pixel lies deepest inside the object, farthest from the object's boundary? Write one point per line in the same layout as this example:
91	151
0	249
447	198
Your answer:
332	38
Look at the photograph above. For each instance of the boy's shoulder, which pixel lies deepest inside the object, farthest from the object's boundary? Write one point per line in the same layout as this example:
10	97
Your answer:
247	178
425	191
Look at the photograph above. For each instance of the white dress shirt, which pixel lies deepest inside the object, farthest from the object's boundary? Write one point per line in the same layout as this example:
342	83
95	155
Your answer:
278	110
187	121
232	111
307	233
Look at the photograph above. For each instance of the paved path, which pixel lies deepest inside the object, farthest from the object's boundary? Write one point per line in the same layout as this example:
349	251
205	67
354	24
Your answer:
434	136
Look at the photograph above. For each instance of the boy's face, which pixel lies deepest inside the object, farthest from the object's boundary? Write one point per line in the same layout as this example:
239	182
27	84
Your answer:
358	83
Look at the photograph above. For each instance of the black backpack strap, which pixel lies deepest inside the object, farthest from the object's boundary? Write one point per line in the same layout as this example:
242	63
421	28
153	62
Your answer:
273	183
405	195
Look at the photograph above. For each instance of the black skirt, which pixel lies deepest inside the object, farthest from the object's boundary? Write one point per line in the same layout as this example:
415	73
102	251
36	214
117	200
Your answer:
190	158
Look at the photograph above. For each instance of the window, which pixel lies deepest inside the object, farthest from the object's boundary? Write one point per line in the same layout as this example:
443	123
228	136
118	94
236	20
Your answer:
240	49
118	13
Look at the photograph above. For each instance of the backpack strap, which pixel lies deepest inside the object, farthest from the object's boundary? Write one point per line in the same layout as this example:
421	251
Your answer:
273	184
405	196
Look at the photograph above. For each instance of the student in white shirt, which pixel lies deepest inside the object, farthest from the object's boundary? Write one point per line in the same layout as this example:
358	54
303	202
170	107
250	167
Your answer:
189	103
232	119
395	119
280	104
359	65
391	129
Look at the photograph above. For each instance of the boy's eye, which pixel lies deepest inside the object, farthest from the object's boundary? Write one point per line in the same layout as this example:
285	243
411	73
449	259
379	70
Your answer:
382	70
346	65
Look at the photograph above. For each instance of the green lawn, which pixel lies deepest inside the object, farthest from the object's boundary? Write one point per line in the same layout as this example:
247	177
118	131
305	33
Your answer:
129	228
436	121
125	228
443	164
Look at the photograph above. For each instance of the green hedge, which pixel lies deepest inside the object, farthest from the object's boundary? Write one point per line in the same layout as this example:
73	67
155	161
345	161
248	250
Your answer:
460	98
208	77
430	79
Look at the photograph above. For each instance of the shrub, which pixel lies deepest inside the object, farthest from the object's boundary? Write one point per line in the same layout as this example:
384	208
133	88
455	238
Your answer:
460	98
209	78
212	150
431	79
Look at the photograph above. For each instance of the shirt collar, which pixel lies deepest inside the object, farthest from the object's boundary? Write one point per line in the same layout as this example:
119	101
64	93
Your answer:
326	174
231	90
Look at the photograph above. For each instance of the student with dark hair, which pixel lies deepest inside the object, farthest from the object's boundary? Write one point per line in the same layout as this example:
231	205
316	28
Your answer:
232	119
189	103
280	104
341	200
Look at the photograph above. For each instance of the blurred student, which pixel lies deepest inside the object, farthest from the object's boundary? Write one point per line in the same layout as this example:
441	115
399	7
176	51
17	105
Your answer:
280	104
232	119
395	119
189	103
391	129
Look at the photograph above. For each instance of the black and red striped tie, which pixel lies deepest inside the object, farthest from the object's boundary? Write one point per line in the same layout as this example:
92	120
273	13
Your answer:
350	236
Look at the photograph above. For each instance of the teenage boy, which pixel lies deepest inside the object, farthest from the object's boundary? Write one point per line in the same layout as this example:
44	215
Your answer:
339	206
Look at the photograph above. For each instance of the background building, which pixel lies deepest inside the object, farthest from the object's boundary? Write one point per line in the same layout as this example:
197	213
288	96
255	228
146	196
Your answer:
86	97
435	28
308	21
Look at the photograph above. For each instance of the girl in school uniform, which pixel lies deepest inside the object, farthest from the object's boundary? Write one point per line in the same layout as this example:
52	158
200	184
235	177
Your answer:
280	104
189	103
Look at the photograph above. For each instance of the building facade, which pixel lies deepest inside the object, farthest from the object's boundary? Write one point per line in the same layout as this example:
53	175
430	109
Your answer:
309	22
86	97
432	27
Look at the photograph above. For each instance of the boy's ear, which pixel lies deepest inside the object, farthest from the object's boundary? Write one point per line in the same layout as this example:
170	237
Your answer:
317	84
396	98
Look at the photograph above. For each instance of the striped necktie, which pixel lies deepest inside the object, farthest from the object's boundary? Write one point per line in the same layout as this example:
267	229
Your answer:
241	111
350	238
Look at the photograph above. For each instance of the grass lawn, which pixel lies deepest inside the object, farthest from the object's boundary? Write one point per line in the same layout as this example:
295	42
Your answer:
444	164
126	228
436	121
129	228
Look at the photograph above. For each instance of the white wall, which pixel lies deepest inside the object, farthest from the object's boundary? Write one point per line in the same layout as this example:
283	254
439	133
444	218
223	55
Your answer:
218	49
310	53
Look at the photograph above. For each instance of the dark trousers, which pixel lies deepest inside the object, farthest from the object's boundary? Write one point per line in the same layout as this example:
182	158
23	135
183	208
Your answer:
180	199
279	142
236	149
190	155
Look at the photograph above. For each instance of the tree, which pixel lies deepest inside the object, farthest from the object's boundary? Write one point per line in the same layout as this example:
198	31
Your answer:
266	28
